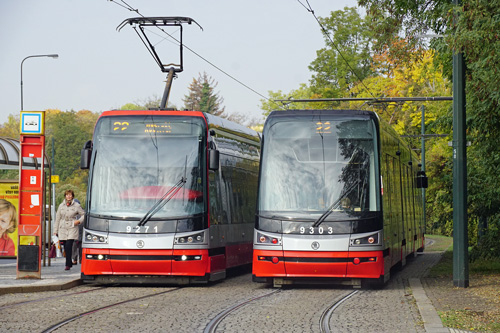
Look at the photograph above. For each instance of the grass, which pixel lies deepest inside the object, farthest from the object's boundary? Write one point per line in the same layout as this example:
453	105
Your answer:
445	266
470	320
440	243
484	274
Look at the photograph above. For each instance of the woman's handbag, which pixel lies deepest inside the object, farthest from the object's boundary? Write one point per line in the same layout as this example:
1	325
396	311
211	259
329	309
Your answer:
52	251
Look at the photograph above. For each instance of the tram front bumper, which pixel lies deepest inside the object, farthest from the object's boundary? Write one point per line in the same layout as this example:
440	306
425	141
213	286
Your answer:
337	264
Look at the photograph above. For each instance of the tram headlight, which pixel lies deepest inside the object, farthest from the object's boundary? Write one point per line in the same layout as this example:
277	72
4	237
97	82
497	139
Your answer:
268	240
91	238
191	239
367	240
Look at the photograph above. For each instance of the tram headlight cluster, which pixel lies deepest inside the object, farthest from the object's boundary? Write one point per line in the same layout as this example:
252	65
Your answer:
96	257
191	239
89	237
264	239
367	240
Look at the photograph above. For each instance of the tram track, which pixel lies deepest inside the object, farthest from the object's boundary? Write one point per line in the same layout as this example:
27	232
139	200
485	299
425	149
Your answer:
324	321
81	315
214	323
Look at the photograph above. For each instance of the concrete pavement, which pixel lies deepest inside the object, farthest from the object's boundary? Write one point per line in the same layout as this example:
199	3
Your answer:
53	277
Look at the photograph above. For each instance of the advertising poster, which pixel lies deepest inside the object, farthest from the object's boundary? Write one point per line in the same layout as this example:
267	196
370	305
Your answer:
9	204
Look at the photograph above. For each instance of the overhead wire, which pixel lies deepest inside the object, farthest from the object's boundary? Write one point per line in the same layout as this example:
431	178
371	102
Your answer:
325	32
130	8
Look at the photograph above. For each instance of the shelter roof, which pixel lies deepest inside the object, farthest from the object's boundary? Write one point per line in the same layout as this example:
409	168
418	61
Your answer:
10	150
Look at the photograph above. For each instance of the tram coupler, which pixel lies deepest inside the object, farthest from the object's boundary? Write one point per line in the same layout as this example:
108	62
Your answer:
279	282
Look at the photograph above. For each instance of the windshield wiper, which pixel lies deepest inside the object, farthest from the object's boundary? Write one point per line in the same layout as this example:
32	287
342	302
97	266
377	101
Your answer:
162	201
335	204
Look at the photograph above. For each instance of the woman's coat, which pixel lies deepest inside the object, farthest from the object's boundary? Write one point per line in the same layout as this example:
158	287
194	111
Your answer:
65	220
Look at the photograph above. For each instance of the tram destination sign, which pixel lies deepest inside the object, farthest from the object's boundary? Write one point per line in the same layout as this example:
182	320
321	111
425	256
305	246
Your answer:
157	126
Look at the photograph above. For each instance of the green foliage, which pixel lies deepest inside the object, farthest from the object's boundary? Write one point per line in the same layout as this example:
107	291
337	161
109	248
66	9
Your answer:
70	130
389	20
152	102
304	92
488	245
131	106
476	35
9	174
339	66
439	197
10	129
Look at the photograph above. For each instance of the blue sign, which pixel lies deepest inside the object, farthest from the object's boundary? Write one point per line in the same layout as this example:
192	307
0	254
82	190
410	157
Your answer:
32	122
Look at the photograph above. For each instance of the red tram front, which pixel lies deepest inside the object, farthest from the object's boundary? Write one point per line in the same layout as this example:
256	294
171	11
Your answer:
159	182
319	215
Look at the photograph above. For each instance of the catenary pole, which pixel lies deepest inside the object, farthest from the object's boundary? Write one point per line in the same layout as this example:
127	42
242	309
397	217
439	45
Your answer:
460	221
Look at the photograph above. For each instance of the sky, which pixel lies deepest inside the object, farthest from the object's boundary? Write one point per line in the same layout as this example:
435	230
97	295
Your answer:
265	44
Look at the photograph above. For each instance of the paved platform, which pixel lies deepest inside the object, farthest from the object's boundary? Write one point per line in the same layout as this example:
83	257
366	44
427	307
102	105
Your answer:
53	277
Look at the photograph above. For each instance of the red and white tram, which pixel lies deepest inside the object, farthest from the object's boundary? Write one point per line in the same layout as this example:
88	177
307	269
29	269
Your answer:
338	199
171	197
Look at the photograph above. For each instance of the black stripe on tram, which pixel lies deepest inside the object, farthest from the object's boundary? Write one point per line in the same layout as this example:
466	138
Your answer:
137	257
307	259
317	260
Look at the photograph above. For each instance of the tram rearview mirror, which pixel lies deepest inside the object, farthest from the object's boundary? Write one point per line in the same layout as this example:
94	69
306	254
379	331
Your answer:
213	159
85	155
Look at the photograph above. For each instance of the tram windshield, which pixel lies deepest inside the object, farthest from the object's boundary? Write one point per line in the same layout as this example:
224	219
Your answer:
311	164
140	159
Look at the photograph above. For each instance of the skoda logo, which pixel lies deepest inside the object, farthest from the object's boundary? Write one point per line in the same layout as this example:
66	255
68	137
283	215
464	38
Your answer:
140	244
315	245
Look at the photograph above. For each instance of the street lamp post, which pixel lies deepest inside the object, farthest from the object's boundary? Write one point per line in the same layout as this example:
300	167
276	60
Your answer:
33	56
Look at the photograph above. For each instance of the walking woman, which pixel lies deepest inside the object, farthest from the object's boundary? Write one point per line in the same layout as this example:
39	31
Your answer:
68	217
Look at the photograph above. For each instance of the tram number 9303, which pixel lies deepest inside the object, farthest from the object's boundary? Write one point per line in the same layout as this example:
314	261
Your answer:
316	231
141	230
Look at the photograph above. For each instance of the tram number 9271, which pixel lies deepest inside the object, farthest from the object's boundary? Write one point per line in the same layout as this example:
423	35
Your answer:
141	229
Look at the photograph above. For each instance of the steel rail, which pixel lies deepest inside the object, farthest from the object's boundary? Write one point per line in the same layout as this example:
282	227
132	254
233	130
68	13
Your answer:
66	321
324	321
212	325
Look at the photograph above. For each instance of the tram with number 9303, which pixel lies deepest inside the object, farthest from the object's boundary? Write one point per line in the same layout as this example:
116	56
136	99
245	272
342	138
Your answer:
171	197
339	199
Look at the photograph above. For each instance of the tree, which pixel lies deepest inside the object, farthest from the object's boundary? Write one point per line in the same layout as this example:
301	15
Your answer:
303	92
338	67
472	29
131	106
419	79
346	61
70	130
10	129
392	21
150	103
202	97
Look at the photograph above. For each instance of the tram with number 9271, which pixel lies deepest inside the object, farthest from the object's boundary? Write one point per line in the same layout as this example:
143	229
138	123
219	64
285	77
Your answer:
171	197
339	199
